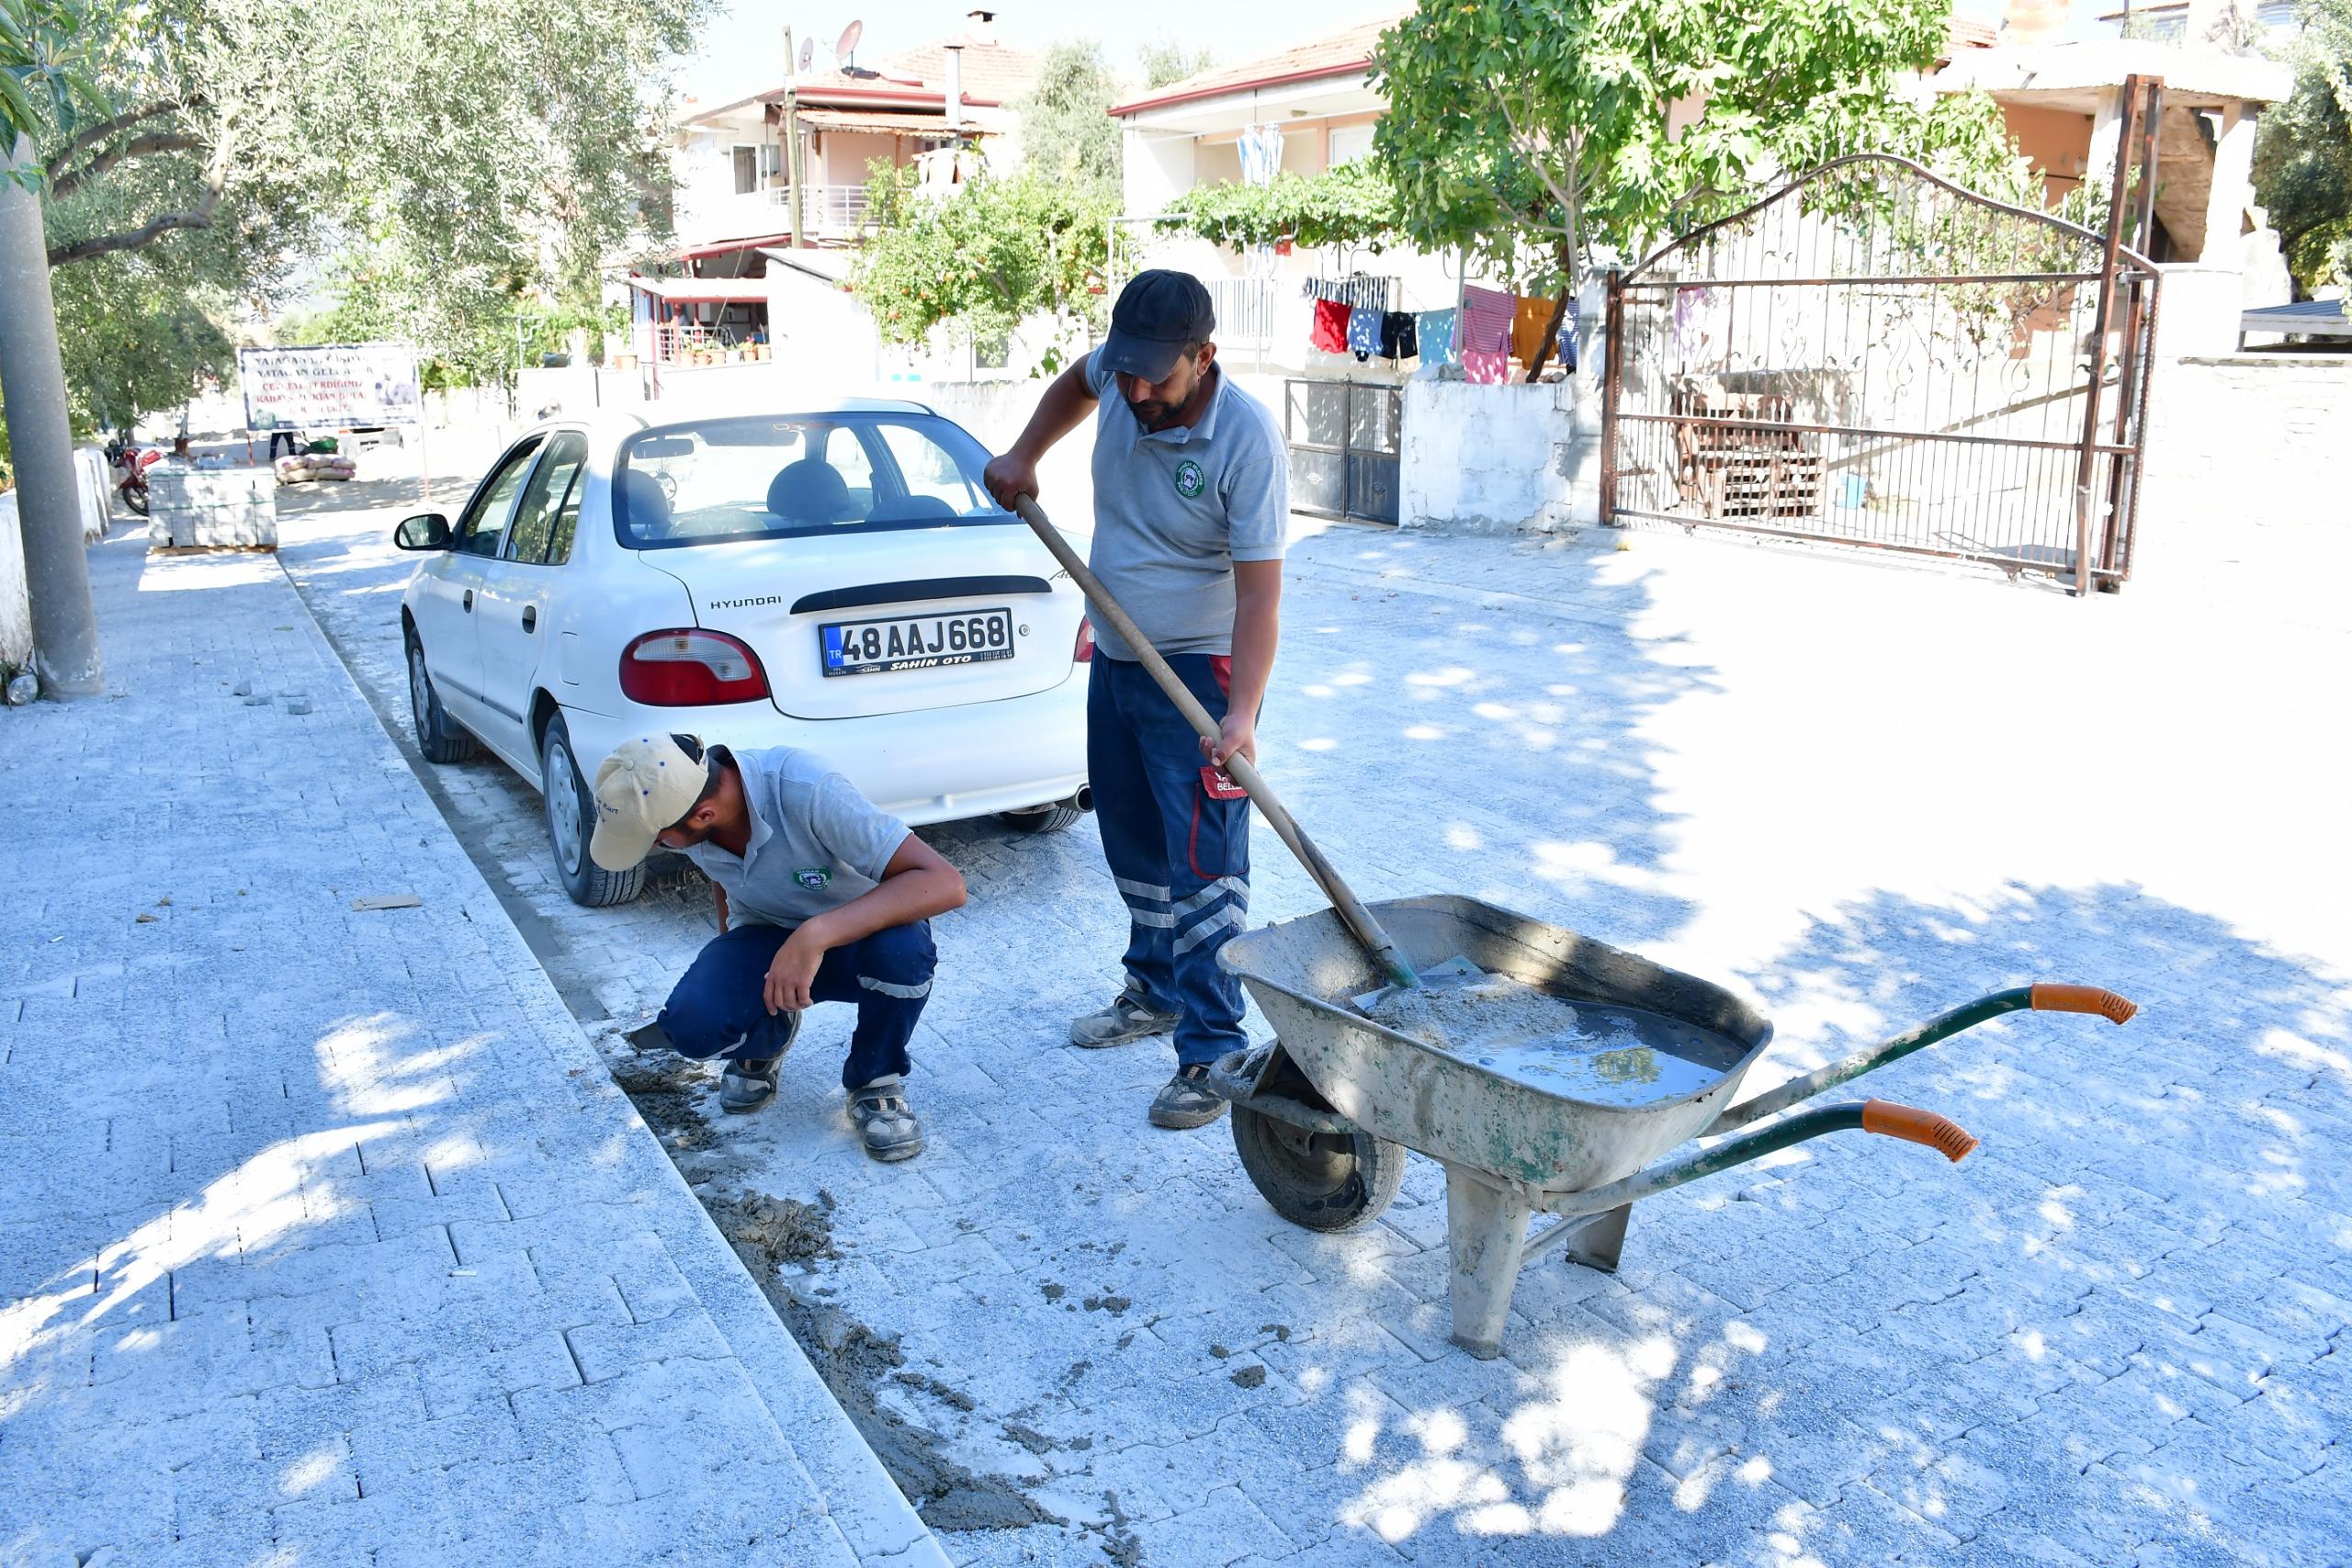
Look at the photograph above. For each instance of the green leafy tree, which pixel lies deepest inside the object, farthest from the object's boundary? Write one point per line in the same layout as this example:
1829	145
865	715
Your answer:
477	156
1526	132
1353	204
982	262
1066	131
2302	154
1167	61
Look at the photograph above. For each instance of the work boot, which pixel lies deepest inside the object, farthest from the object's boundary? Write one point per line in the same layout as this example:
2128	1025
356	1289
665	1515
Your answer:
885	1121
1186	1101
747	1083
1127	1018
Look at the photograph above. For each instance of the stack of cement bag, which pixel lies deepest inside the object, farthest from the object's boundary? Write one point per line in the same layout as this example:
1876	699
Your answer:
304	467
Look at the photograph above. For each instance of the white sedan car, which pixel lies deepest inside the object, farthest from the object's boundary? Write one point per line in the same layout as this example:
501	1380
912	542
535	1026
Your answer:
835	579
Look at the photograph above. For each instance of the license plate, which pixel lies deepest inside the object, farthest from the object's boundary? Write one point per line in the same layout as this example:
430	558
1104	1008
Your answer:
916	642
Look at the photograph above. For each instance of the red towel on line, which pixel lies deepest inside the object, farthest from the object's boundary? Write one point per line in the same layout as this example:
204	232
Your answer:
1331	332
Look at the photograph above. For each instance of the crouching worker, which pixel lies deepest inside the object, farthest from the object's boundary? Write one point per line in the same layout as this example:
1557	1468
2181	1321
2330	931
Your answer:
831	901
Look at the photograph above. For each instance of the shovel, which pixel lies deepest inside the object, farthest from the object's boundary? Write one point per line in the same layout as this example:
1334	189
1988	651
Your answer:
1367	931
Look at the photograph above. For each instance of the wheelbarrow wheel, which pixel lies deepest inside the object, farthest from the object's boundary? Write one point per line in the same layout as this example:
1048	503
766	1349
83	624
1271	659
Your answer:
1319	1182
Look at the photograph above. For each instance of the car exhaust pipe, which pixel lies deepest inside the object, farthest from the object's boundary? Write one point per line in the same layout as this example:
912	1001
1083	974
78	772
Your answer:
1084	798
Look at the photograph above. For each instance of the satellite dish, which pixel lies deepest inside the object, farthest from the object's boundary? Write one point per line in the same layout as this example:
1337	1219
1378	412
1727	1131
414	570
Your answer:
848	45
808	54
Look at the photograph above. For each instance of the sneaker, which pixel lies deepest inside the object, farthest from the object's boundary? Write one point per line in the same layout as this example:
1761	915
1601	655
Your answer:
885	1120
746	1084
1129	1017
1186	1101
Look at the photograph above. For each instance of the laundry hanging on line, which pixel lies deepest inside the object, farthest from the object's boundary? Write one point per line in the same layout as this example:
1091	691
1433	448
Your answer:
1435	331
1486	366
1331	332
1400	337
1485	320
1364	332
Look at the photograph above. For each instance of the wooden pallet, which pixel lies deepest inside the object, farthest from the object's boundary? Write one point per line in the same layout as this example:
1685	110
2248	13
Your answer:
1760	484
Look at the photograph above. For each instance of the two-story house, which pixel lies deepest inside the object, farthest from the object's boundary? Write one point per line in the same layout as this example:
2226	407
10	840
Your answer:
943	107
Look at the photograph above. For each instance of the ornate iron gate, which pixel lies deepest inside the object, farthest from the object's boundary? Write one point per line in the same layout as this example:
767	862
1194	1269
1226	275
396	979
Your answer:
1876	356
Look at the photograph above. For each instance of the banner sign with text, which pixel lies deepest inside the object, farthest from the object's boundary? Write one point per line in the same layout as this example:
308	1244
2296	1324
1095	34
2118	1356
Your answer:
337	386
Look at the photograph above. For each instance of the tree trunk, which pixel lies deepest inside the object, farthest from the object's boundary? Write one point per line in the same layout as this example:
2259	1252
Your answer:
40	437
1559	313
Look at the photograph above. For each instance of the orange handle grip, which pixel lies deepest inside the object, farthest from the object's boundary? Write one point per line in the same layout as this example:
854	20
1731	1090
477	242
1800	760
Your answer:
2083	999
1914	1125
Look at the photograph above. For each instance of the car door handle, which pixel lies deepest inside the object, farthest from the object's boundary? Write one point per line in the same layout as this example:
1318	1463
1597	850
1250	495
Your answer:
469	600
530	617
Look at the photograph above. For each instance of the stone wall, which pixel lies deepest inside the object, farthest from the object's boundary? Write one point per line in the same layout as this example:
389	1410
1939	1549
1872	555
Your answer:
211	506
2240	440
1503	459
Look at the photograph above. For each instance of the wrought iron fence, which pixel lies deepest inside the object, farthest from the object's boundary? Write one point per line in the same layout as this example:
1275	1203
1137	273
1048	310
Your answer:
1874	355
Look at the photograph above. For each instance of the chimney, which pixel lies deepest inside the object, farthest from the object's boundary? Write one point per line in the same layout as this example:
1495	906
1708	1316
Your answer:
956	85
981	29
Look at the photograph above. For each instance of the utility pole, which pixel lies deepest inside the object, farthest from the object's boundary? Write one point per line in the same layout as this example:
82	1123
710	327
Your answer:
40	437
792	165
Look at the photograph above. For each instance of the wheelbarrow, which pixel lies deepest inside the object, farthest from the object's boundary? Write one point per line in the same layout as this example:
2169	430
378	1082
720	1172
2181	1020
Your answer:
1323	1113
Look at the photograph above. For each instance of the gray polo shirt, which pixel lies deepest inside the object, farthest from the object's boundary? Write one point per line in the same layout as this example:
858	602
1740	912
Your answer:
816	842
1174	508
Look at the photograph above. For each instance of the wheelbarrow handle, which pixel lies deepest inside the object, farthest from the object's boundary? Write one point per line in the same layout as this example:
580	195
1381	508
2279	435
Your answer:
1359	920
2083	999
1907	1122
1913	1125
2045	997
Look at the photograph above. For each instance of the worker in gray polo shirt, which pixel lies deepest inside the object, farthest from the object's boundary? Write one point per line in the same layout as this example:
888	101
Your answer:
1192	497
822	898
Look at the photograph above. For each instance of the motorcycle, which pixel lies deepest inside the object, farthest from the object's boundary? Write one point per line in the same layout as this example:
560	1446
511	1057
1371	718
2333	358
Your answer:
130	465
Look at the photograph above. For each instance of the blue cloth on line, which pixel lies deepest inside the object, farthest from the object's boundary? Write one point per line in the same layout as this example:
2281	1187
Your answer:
1364	332
1436	331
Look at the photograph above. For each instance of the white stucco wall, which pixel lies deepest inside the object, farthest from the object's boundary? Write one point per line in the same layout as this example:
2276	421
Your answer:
16	608
2239	442
1508	457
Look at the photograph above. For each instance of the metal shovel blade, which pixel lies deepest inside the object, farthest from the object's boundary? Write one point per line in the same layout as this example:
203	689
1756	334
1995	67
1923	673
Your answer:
1454	972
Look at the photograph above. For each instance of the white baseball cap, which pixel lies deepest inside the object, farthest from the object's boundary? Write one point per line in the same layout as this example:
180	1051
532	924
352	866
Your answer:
646	785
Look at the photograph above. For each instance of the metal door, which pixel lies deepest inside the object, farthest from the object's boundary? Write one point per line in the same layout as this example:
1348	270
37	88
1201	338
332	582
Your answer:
1346	446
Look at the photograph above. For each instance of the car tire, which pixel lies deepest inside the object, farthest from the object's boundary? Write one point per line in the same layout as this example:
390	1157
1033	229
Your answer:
439	737
1052	819
572	818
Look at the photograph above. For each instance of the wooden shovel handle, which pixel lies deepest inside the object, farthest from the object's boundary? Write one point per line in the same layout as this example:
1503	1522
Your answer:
1352	914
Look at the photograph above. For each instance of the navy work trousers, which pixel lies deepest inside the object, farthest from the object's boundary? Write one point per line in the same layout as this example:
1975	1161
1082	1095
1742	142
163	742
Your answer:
1179	853
718	1006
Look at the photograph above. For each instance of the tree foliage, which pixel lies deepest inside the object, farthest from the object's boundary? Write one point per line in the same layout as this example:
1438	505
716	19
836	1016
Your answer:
980	264
1066	131
2302	154
1529	132
1354	203
1169	61
458	158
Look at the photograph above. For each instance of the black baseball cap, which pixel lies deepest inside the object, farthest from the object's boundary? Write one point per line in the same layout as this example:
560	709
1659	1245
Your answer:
1158	312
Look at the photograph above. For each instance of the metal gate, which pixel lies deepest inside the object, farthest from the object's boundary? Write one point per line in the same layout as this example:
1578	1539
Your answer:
1876	356
1345	442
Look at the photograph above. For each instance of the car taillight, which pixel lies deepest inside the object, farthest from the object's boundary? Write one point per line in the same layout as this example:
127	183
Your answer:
1083	653
690	669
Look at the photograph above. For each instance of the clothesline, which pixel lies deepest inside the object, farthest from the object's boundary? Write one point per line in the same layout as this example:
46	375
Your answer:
1483	335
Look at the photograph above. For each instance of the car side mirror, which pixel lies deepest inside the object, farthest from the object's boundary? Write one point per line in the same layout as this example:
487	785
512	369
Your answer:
426	531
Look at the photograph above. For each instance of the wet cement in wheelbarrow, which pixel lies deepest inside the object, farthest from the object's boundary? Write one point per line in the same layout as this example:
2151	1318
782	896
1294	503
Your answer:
1597	1051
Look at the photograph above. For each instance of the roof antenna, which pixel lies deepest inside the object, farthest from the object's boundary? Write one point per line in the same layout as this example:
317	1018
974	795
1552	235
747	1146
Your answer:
846	50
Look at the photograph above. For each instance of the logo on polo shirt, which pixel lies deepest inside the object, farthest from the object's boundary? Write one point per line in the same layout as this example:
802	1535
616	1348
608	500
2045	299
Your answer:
1190	480
812	877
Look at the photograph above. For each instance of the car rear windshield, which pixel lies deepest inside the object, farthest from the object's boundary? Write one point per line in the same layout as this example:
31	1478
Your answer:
780	478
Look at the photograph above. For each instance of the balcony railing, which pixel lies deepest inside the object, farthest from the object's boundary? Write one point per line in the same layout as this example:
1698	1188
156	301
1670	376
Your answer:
825	209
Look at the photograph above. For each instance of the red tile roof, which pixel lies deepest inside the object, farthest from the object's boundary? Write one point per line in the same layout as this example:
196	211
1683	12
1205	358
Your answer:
1340	54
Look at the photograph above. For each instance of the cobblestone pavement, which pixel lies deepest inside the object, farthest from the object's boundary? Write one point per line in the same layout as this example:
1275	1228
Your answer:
2114	1335
324	1236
